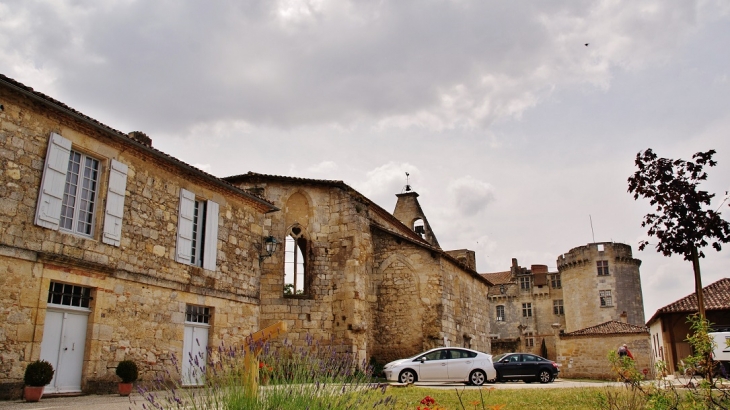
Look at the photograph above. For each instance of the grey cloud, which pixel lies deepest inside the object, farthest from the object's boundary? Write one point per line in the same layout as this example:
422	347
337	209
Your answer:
436	64
471	196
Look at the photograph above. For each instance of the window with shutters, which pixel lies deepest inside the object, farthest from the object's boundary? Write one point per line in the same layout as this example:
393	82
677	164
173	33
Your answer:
197	236
69	192
79	194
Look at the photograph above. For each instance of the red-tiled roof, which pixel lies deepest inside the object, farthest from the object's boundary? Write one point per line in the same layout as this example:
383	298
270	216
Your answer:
191	170
609	328
716	296
498	278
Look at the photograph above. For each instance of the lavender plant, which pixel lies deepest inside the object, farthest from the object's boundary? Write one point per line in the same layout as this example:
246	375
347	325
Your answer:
318	375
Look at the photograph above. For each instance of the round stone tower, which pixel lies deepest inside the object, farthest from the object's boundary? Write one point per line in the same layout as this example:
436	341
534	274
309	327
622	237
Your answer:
601	282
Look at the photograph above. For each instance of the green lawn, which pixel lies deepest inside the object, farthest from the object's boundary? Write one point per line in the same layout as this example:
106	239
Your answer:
568	398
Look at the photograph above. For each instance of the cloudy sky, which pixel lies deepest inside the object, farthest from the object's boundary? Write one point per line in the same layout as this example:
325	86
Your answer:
517	121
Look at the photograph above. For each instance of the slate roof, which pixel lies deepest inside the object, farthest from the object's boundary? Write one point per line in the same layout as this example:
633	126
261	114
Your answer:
716	295
612	327
498	278
189	169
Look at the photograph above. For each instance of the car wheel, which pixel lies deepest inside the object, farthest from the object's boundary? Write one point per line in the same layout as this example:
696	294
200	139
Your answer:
407	377
545	376
477	378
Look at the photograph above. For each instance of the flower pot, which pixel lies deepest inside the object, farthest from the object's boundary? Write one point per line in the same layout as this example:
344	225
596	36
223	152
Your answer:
125	389
33	393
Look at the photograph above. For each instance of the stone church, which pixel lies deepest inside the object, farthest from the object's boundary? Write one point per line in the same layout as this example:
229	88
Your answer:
111	249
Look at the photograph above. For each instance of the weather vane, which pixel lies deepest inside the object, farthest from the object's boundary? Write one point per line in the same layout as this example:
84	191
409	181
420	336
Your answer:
408	185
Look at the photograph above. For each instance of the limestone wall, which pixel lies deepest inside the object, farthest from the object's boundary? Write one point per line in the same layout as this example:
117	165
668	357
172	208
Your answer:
334	305
139	290
420	299
587	356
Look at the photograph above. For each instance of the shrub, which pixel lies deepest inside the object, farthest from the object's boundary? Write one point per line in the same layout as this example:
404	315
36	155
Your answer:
127	371
38	373
320	375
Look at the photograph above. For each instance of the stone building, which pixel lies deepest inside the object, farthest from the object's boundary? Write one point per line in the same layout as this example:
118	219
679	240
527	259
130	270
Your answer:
526	309
112	250
376	281
550	313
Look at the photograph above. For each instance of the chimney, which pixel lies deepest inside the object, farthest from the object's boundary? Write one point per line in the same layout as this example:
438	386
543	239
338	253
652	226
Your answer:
141	137
624	317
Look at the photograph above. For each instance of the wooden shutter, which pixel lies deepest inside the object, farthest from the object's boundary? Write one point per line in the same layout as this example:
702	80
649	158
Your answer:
210	249
50	196
115	203
185	226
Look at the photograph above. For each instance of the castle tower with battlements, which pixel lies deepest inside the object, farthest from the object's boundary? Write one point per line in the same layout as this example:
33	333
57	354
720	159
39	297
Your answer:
604	284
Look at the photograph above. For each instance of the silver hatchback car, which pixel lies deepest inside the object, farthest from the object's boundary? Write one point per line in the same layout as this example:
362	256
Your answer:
443	364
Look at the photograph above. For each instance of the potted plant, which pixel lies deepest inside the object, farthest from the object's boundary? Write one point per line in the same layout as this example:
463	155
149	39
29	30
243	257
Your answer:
127	371
37	375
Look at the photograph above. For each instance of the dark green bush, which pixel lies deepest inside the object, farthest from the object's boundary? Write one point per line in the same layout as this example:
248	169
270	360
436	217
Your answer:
127	371
38	373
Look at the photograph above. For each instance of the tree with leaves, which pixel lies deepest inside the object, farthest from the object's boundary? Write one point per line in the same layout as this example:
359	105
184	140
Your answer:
683	221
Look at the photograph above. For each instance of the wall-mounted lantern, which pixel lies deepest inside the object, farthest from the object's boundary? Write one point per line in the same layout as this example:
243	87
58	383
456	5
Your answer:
268	248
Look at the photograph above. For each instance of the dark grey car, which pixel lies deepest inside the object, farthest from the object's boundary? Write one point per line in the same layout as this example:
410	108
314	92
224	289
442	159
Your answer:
525	366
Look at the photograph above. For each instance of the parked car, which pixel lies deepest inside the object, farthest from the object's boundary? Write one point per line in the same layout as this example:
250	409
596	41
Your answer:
525	366
443	364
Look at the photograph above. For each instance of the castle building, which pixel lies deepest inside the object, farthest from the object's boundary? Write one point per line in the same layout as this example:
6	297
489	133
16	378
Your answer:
574	315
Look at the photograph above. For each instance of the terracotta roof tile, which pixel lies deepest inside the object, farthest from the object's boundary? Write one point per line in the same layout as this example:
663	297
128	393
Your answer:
611	327
716	295
498	278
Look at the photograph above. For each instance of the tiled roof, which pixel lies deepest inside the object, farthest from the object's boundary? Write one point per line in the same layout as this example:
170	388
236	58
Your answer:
498	278
611	327
716	296
13	84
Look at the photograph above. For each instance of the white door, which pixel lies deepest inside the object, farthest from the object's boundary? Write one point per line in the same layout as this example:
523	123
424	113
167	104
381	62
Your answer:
195	346
64	339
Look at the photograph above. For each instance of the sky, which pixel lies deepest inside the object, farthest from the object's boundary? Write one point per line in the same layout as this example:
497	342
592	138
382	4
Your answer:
518	122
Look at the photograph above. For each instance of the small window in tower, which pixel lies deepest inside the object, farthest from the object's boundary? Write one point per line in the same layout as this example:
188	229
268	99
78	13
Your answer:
602	267
600	247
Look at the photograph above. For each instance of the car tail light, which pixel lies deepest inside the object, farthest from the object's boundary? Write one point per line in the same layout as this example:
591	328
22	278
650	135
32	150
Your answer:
555	365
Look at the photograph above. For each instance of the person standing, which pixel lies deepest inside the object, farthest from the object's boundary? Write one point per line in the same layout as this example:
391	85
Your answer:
624	351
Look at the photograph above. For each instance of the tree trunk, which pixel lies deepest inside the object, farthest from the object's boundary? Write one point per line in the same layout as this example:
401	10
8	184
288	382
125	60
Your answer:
698	282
